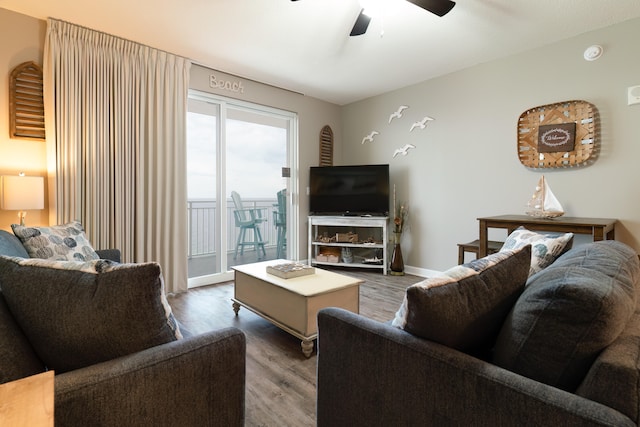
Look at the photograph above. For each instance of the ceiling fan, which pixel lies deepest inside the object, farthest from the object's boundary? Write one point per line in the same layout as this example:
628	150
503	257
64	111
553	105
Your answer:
437	7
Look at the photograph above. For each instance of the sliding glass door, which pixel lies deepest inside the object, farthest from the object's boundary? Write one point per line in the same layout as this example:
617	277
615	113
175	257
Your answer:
239	192
203	136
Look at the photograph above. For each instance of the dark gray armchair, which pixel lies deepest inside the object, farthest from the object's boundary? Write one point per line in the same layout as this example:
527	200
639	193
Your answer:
194	381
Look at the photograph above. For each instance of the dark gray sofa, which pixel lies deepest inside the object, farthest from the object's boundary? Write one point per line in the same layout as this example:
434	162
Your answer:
373	374
195	381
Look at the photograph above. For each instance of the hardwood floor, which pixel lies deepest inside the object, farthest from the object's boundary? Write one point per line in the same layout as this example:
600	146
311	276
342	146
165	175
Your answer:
281	382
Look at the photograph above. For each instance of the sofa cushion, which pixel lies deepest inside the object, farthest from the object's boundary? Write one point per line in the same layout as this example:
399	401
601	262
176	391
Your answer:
464	307
545	248
569	312
59	242
17	358
77	314
614	377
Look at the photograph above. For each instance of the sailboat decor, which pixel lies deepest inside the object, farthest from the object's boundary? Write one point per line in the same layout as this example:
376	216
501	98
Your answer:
543	203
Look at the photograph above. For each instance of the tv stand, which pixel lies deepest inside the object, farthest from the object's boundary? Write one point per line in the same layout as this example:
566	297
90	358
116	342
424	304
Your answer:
322	236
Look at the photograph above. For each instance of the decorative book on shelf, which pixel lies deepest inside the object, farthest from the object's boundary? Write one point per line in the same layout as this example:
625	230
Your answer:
290	270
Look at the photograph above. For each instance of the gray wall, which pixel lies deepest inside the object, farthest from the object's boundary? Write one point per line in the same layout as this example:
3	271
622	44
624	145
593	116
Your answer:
465	164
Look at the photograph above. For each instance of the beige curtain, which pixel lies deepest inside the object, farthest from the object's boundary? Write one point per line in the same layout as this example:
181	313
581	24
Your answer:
115	115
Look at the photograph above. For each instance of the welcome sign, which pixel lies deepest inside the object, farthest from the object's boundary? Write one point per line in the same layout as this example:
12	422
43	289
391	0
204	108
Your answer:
556	138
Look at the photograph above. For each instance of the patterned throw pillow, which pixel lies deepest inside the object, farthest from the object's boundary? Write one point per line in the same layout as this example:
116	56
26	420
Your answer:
545	248
77	314
59	242
465	307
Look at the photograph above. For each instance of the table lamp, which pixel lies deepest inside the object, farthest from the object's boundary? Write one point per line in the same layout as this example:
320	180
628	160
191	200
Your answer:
21	193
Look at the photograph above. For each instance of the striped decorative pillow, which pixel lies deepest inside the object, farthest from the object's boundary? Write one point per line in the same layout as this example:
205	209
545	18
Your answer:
464	307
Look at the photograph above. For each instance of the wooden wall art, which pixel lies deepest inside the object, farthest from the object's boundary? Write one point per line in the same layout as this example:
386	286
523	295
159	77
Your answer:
560	135
326	146
26	105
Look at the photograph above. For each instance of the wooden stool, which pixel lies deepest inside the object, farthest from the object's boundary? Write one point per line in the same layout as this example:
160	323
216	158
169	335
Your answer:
492	248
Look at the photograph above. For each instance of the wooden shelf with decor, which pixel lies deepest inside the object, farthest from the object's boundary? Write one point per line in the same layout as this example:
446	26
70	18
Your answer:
598	228
363	237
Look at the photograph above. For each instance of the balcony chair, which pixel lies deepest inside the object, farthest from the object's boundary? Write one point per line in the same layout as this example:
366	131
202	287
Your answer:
247	219
280	220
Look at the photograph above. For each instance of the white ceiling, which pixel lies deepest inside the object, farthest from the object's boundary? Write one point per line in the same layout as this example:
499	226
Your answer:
304	46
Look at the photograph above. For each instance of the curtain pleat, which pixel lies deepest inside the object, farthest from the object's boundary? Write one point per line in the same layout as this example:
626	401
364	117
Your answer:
115	114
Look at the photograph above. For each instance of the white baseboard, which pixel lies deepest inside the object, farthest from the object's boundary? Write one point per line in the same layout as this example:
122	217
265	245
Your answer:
422	272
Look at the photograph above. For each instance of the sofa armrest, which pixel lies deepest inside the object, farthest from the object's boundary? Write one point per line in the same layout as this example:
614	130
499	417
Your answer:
110	254
370	373
194	381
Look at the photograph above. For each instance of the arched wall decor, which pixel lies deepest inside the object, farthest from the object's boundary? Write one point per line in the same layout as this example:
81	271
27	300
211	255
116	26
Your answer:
26	105
326	146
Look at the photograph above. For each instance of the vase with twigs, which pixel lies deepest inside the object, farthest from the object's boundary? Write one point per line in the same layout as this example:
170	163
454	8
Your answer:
400	213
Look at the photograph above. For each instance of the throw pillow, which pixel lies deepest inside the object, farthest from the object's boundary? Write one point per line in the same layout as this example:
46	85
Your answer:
60	242
77	314
465	307
545	248
569	312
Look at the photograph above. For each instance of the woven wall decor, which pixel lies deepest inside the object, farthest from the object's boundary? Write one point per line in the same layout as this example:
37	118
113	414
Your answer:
26	105
538	135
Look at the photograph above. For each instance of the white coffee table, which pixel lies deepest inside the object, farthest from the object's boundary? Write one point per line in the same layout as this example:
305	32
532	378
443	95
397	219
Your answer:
293	304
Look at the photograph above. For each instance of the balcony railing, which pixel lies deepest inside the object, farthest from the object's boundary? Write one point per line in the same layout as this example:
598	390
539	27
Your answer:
202	230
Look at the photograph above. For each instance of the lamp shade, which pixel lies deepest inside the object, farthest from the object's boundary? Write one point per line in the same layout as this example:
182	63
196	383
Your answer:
21	193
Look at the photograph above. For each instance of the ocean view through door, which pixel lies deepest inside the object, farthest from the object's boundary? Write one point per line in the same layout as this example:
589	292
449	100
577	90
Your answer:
238	156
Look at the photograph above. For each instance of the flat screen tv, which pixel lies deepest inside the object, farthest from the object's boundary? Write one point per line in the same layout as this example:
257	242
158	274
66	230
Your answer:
349	190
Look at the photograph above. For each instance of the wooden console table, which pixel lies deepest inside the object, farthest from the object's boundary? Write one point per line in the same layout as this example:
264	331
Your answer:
599	228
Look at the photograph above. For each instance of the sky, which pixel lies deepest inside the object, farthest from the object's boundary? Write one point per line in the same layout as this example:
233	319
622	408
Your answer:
256	154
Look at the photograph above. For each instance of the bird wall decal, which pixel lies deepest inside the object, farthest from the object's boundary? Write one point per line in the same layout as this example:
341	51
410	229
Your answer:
404	150
369	138
421	123
398	113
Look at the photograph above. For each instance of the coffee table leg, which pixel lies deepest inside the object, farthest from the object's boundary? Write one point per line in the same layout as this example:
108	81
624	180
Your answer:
307	347
236	307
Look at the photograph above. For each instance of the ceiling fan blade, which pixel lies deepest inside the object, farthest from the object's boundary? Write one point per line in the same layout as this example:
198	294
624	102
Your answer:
438	7
361	24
